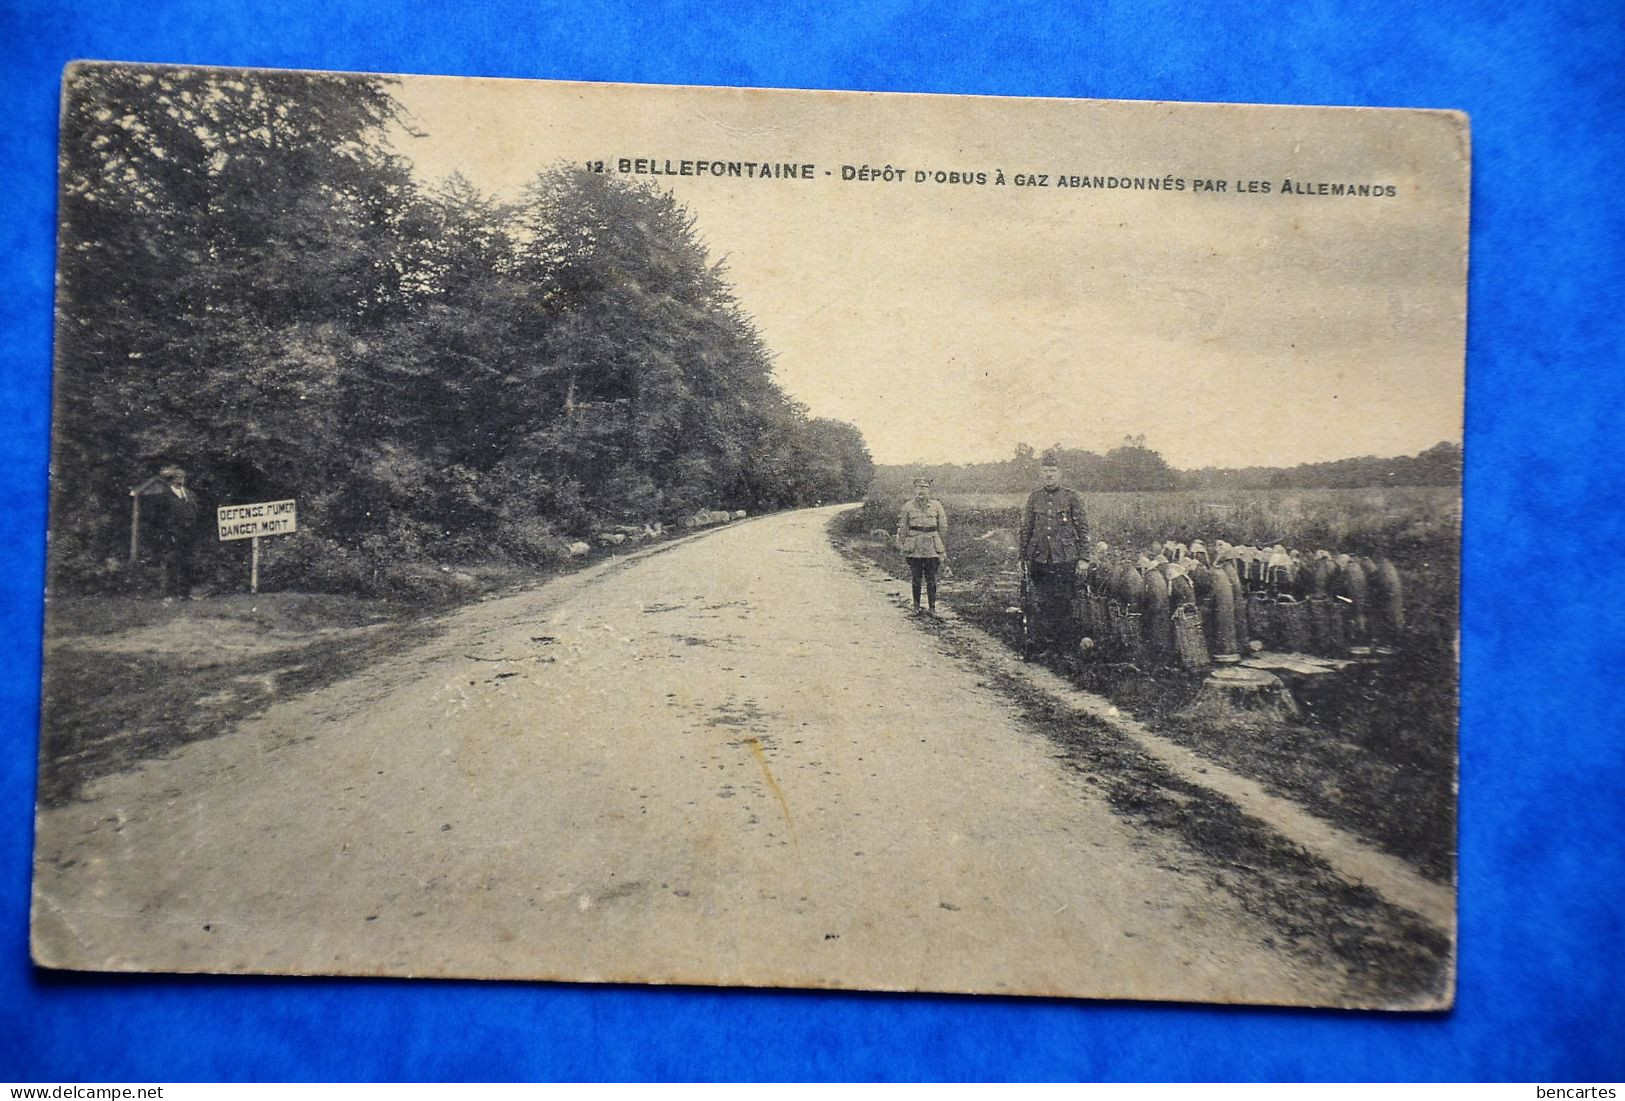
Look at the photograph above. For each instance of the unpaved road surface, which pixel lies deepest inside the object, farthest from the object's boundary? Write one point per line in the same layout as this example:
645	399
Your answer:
728	760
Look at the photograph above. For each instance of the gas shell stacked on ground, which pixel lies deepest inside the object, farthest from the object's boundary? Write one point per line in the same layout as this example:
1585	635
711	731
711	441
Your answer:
1192	606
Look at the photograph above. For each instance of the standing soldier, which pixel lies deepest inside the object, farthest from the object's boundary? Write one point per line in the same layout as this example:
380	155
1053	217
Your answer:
922	527
1054	531
175	524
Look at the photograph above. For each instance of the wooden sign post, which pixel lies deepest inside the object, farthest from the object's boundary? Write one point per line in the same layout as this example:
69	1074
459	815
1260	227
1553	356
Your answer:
254	522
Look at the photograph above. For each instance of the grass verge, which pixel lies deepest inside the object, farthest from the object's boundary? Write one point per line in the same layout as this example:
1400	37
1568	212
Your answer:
1394	957
1373	751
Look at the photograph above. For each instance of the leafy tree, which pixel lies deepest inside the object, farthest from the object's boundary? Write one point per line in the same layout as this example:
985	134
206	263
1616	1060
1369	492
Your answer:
1136	466
230	241
643	356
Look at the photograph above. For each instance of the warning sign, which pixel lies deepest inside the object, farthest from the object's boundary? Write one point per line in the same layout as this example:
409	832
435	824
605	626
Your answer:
253	521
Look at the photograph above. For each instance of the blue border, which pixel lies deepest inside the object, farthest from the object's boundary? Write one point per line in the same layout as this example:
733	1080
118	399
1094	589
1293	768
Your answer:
1543	865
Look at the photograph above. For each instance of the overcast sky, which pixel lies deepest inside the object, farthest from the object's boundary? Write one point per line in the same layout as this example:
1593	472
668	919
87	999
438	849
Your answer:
950	322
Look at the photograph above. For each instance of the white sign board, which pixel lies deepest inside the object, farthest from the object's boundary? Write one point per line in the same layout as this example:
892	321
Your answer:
253	521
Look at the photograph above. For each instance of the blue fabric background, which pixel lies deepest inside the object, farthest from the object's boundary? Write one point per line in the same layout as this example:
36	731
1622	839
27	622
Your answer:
1542	860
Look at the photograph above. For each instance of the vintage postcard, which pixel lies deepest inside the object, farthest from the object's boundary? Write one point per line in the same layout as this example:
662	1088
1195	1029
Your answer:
773	538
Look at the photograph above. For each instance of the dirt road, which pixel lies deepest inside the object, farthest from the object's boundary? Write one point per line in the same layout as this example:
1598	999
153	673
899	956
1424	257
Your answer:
726	760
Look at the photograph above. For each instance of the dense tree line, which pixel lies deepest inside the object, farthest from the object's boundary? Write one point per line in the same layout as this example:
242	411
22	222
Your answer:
1130	466
1133	465
1439	465
253	285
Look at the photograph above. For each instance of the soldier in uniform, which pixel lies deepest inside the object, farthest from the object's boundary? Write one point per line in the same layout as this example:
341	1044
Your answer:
922	527
1054	532
175	527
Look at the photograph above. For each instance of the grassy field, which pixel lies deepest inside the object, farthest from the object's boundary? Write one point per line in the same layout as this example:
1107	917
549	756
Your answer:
1375	746
1419	527
1411	524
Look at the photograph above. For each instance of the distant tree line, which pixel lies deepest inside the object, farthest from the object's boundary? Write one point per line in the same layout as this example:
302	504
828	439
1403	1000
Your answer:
1439	465
254	286
1133	465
